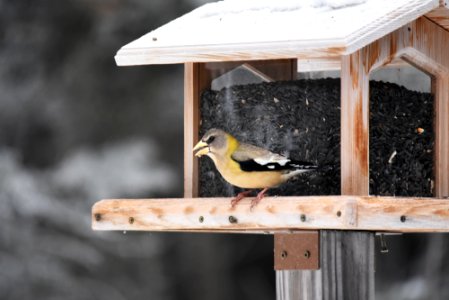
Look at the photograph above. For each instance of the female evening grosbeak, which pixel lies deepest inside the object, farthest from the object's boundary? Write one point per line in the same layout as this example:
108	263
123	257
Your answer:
248	166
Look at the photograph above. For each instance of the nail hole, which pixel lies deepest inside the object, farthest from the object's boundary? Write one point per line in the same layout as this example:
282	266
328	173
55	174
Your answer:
409	29
303	218
97	217
232	219
403	219
338	213
154	39
307	254
284	254
201	219
131	220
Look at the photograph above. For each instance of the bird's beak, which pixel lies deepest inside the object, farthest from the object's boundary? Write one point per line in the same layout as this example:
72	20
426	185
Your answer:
202	148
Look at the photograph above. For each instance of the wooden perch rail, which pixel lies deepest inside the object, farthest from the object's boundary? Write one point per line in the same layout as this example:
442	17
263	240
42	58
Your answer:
274	214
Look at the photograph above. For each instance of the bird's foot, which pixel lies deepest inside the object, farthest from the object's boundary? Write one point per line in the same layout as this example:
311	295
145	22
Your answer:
259	197
239	197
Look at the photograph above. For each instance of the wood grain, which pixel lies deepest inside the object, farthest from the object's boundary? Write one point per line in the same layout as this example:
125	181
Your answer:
341	276
274	214
191	123
197	77
442	136
440	15
354	125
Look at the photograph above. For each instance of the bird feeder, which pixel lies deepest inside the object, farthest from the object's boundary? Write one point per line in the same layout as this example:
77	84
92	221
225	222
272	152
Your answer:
271	38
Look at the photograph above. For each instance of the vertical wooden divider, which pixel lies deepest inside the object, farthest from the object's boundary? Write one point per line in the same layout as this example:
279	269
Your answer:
356	252
441	94
347	257
354	126
191	123
196	79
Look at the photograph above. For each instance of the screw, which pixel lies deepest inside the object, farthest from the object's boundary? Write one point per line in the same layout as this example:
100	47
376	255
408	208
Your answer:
232	219
201	219
131	220
284	254
307	254
383	244
338	213
97	217
303	217
403	219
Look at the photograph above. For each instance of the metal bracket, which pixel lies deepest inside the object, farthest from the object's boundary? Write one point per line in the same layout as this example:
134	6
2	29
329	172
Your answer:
298	250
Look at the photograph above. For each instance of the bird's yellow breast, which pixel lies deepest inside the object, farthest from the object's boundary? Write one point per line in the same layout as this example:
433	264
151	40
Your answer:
231	172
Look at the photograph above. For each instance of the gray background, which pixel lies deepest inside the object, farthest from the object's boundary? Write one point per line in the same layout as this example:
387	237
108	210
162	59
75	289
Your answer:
74	128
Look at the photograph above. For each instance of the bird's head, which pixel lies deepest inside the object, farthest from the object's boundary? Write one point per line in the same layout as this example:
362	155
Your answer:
214	142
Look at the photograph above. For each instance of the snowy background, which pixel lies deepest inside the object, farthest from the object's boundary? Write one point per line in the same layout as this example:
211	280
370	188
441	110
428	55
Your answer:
74	128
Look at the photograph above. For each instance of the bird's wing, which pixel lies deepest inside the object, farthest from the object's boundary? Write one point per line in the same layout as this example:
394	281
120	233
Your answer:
252	158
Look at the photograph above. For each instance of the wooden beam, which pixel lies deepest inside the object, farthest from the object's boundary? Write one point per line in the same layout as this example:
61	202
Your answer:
191	123
354	125
196	79
441	136
274	214
334	64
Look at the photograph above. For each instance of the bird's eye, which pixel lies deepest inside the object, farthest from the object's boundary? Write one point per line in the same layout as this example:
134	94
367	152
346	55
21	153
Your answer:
210	139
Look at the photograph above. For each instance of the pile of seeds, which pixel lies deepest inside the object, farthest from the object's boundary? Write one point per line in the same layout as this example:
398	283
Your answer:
301	119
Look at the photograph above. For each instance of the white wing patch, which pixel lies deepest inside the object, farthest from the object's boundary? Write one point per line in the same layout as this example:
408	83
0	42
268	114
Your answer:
272	158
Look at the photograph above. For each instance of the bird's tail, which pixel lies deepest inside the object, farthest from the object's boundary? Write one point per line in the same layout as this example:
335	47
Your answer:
299	167
302	165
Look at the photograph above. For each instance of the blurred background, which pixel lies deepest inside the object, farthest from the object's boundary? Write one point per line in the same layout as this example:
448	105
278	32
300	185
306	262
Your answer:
74	128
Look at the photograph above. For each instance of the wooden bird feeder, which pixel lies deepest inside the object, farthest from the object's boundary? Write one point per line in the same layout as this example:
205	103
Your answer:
271	38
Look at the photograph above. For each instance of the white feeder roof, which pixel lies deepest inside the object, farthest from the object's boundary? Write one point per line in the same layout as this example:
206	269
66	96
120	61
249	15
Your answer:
272	29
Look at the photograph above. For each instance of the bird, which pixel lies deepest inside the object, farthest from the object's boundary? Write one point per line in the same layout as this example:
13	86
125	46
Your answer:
247	166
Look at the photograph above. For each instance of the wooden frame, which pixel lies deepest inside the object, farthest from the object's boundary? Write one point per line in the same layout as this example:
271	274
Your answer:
416	42
198	77
274	214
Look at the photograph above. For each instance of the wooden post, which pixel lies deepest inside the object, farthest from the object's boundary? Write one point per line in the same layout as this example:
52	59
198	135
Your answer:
441	135
347	258
196	79
355	274
191	123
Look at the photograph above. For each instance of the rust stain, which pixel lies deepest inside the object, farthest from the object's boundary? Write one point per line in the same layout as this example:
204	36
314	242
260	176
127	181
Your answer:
157	211
188	210
328	209
271	209
442	212
353	70
336	50
393	46
361	135
304	209
374	53
213	210
389	209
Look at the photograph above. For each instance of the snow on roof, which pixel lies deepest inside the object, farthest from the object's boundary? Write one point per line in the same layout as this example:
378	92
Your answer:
269	29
